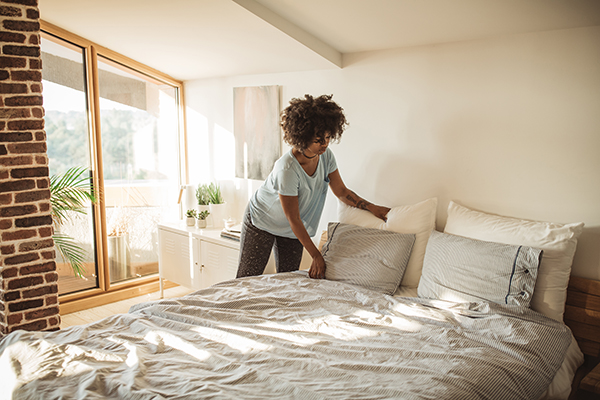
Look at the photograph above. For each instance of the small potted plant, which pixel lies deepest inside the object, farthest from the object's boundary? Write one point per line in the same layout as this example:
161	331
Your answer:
214	194
202	196
201	218
203	201
190	219
218	207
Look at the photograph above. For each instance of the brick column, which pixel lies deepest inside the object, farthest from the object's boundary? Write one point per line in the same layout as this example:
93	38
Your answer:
28	278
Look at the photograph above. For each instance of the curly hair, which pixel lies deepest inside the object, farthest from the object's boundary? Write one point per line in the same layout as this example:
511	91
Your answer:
307	119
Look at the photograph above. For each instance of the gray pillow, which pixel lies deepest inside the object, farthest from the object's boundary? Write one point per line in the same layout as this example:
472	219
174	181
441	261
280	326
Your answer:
371	258
460	269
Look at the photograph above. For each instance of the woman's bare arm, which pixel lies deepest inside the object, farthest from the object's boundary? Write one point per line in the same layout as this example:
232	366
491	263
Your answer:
292	213
352	199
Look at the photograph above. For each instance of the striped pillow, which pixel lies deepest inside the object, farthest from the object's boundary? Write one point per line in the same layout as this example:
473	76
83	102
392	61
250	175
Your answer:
558	241
371	258
460	269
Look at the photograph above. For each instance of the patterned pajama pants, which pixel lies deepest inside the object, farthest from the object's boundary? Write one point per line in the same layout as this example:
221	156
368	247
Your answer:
255	249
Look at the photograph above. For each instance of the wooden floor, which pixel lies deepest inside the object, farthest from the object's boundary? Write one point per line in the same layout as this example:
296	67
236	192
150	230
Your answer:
119	307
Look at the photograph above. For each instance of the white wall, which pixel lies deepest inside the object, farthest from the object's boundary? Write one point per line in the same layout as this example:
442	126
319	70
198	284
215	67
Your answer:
508	125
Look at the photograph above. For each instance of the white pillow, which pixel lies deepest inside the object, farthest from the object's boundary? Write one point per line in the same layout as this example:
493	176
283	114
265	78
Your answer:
418	219
558	241
462	269
371	258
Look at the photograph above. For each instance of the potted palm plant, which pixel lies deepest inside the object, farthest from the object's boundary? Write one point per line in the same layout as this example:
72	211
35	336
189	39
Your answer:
70	192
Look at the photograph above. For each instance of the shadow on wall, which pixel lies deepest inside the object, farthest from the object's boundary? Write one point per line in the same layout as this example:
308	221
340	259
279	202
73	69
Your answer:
403	181
586	263
399	180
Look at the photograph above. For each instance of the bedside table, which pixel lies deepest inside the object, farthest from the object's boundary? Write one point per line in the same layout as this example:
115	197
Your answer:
591	382
582	315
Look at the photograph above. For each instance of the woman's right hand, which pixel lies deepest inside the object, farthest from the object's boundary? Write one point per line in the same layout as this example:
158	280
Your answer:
317	268
380	212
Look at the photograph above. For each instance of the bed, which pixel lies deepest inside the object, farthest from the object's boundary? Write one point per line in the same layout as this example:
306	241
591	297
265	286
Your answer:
405	312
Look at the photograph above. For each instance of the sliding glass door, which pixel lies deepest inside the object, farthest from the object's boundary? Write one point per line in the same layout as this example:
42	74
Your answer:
121	125
68	134
139	157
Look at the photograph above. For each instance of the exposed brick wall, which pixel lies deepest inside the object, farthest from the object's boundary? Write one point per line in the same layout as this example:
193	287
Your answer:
28	278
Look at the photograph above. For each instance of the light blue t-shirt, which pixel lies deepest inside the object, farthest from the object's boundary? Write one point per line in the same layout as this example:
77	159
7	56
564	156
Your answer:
289	179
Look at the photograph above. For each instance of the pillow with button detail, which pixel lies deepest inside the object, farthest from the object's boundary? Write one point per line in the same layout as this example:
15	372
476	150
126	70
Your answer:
558	241
468	270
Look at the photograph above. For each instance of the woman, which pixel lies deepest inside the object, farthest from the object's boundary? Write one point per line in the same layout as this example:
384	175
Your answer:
285	211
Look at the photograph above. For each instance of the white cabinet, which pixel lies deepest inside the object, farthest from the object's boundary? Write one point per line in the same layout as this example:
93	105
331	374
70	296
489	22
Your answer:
195	258
199	258
176	261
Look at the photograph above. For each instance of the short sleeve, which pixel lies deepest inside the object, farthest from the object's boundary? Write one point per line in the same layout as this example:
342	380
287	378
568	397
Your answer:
286	182
331	163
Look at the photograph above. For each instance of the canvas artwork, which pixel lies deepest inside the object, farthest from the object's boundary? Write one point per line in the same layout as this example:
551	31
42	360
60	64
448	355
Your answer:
256	130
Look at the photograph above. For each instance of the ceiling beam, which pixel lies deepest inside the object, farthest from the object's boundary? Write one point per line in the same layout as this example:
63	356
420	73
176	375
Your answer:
294	31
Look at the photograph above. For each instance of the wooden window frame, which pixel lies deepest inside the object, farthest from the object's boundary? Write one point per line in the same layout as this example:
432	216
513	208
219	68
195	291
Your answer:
106	292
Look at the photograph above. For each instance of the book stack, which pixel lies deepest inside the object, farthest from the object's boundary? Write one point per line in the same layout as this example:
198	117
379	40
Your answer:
234	232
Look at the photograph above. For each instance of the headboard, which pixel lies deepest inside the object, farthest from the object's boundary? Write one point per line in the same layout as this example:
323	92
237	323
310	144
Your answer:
582	313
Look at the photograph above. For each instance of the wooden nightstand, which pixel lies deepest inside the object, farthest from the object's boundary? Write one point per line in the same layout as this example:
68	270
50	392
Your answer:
591	383
582	315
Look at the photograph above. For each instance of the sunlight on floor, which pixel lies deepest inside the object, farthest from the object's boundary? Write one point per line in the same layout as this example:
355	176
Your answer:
119	307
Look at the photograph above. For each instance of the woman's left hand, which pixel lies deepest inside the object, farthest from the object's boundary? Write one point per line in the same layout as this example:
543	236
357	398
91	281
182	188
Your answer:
380	212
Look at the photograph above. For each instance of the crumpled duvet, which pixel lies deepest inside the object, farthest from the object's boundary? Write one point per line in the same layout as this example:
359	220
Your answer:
288	336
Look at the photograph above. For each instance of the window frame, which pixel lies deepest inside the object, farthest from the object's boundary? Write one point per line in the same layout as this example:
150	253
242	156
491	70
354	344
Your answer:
106	292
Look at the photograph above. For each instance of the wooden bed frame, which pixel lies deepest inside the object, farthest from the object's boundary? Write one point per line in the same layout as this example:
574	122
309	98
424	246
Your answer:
582	315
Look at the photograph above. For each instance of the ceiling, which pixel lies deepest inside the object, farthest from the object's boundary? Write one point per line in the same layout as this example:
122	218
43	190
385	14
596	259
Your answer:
196	39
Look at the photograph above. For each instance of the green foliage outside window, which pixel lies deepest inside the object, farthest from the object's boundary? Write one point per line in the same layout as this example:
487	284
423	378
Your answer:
68	145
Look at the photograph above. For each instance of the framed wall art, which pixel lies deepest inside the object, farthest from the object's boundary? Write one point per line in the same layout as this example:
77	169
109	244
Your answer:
256	130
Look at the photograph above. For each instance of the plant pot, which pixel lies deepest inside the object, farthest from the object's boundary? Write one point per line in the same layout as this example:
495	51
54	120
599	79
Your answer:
205	208
218	212
201	223
190	221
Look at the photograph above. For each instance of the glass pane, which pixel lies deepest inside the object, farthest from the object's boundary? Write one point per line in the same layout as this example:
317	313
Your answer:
66	124
139	123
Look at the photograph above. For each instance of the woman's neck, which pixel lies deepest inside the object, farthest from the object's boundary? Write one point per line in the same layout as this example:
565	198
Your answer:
311	157
304	156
